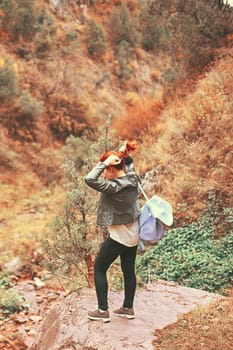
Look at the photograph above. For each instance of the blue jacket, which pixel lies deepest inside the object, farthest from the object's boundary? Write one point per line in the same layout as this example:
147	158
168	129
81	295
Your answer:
118	198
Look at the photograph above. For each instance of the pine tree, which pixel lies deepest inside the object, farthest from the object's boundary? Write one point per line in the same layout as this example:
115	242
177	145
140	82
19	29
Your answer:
75	236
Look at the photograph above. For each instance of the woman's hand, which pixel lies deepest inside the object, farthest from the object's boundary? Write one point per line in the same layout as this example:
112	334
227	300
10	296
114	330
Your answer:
112	160
123	149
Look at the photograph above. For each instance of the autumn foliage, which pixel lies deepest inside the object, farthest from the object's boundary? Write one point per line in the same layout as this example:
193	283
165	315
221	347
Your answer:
138	118
161	70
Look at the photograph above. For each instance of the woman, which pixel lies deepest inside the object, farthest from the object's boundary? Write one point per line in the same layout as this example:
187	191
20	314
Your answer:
118	211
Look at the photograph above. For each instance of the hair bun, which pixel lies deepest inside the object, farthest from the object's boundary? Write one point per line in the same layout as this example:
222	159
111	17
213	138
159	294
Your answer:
131	145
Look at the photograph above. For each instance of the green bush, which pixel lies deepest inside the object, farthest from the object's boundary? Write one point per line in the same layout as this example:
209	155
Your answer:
21	115
11	300
124	27
154	20
95	39
25	113
45	38
5	6
8	82
29	107
20	18
123	54
188	29
191	256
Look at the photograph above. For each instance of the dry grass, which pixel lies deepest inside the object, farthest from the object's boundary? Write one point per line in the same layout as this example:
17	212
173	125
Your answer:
208	328
26	211
193	149
138	119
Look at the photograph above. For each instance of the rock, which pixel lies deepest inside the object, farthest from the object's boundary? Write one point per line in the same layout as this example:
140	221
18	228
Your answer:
38	283
14	266
66	325
37	257
35	318
57	6
32	332
54	3
21	319
149	182
39	299
27	289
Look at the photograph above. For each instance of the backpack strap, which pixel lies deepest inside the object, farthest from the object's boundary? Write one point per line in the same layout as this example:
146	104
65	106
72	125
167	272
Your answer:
143	192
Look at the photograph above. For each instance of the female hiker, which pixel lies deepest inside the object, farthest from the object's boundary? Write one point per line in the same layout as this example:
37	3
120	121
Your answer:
118	211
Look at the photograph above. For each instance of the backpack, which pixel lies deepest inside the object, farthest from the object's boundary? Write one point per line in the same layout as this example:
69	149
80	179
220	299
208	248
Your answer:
154	213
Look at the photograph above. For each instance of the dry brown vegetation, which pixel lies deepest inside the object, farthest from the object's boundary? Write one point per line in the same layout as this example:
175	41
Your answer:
184	130
192	146
205	328
139	118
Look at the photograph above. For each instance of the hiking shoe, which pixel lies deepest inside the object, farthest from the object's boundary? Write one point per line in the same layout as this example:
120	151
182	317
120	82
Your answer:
99	315
124	312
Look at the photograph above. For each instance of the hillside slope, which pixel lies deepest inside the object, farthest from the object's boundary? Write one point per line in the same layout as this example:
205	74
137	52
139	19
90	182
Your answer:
184	129
180	114
191	145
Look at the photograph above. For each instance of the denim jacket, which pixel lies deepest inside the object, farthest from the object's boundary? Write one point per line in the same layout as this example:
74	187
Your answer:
118	198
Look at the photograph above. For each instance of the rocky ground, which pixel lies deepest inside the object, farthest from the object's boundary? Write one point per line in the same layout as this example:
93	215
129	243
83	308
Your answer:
18	330
157	305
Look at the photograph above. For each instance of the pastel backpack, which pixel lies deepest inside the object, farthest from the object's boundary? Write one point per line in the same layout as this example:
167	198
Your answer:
154	213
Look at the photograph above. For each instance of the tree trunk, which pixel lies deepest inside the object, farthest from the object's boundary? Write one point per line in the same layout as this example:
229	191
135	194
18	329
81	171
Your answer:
90	270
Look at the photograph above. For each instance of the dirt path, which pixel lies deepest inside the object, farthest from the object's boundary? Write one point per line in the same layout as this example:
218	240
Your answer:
66	326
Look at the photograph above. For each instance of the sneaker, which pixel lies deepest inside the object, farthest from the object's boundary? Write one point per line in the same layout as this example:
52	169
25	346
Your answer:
124	312
99	315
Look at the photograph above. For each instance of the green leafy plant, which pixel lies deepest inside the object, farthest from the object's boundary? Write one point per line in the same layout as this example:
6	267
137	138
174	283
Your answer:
11	300
191	256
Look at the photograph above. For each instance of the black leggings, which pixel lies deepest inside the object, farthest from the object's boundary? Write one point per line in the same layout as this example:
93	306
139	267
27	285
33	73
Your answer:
109	251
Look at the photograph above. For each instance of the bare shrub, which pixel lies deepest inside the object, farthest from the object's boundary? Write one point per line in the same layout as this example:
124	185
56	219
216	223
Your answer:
67	116
74	241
